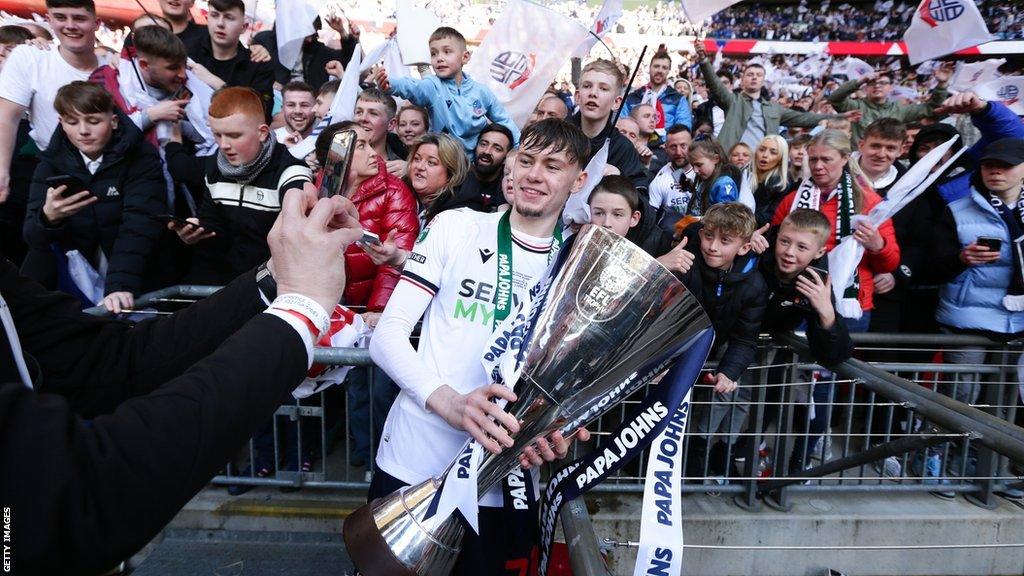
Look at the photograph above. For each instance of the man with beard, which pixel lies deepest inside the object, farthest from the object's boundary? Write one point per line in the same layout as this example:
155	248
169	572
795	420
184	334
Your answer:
299	109
671	106
481	190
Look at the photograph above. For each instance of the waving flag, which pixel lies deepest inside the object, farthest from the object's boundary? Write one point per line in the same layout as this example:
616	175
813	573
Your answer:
970	75
1009	90
293	22
699	10
605	20
941	27
521	54
852	68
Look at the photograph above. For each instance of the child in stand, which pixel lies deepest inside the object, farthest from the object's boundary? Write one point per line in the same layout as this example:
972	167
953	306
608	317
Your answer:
716	180
725	280
615	205
458	104
739	155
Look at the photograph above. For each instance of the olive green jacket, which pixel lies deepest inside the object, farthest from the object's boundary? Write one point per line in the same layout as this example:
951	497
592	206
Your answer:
842	102
740	107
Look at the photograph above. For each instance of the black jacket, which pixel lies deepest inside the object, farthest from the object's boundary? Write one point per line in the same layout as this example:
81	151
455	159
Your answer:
315	57
788	309
127	423
622	154
767	197
240	71
734	301
192	36
132	192
240	215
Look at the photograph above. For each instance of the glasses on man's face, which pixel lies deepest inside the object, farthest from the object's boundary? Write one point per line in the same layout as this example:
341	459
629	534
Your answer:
881	83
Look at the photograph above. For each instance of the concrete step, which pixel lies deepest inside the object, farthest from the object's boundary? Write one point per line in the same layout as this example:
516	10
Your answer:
215	521
830	520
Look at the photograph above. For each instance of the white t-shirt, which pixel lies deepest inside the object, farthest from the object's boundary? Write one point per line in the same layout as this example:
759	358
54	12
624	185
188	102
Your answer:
451	275
31	77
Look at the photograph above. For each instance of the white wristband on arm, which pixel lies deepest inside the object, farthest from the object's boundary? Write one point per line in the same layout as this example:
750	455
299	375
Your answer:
305	315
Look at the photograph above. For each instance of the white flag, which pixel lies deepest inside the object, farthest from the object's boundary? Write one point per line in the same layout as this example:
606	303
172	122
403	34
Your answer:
970	76
293	22
844	258
605	20
699	10
1008	89
415	25
520	56
852	68
343	107
940	27
576	210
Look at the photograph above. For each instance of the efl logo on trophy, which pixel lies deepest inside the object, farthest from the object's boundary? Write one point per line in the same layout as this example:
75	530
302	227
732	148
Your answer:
598	299
513	68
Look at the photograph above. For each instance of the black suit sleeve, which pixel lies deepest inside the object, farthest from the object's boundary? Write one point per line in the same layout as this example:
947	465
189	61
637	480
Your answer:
85	495
97	363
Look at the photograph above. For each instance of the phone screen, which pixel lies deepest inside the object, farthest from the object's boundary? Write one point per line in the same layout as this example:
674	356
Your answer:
339	161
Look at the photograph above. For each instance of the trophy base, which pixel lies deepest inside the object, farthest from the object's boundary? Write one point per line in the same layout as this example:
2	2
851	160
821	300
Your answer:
367	548
391	536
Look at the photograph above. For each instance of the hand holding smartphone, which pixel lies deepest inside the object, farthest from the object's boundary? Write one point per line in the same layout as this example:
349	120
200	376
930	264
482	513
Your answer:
993	244
73	185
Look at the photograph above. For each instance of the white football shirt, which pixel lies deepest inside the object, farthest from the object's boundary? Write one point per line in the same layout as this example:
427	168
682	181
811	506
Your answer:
450	280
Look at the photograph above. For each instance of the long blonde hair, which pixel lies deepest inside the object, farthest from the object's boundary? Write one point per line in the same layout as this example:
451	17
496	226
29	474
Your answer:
840	142
781	171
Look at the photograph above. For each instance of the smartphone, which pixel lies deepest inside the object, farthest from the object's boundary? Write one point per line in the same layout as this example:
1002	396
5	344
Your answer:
183	93
823	274
74	185
369	238
165	218
993	244
338	164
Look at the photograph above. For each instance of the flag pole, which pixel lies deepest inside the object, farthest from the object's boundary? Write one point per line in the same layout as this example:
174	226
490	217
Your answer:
615	118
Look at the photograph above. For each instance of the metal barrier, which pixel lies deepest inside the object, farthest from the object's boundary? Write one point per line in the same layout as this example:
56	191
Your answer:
868	425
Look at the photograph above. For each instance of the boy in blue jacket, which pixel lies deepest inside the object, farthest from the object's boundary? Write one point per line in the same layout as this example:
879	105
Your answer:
458	104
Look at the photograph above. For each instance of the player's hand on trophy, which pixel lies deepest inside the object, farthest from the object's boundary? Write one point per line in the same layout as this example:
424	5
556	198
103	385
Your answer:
475	413
544	450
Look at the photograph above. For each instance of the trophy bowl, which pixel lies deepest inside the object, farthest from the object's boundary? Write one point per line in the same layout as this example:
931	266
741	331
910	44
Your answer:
607	319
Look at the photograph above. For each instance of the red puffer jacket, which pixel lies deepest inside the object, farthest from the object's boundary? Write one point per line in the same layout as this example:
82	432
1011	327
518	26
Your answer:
384	204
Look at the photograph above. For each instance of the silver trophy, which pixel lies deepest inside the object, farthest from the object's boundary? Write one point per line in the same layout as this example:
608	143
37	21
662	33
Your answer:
613	319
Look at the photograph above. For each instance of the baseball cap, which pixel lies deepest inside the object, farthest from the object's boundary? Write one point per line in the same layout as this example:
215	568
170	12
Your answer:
1008	150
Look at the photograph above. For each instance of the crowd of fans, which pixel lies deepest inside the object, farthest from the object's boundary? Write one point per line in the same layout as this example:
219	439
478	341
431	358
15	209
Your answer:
739	176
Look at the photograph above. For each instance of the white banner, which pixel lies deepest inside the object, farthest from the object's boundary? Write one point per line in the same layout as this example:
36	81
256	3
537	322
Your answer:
852	68
520	56
699	10
660	548
293	22
941	27
605	20
1008	89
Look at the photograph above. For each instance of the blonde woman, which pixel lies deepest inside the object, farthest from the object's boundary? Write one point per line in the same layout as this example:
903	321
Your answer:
769	173
437	166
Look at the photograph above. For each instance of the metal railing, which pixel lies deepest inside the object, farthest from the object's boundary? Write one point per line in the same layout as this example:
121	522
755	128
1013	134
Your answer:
873	424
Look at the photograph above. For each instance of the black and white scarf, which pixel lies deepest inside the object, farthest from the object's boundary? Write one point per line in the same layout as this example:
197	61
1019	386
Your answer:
1014	220
247	172
809	196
